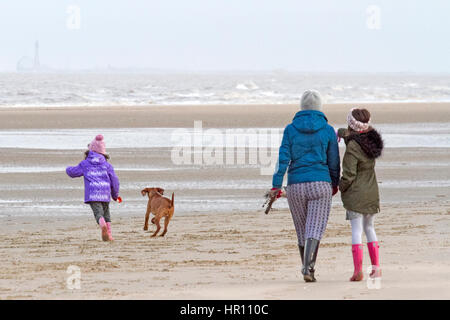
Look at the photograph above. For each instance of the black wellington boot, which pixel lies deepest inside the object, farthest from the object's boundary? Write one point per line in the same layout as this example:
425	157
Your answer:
310	254
313	261
302	252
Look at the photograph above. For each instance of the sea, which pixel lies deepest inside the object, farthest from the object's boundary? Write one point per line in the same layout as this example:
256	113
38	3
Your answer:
172	88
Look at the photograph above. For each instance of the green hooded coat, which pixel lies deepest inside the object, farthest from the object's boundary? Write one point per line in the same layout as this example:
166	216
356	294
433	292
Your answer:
358	185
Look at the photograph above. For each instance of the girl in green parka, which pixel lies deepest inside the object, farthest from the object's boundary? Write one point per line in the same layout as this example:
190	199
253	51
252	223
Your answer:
359	187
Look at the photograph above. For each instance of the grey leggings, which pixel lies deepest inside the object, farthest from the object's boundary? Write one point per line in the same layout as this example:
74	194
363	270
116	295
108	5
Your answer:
100	209
310	204
360	223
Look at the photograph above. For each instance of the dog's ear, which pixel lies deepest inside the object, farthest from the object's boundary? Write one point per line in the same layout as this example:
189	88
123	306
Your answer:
160	190
144	191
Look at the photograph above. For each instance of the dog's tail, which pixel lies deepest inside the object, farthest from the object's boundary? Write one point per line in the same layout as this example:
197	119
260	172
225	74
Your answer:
171	203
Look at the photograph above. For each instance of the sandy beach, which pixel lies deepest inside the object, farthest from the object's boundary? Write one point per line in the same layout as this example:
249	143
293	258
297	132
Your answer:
220	245
213	116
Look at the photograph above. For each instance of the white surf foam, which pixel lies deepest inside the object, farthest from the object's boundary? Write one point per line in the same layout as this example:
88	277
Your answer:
109	89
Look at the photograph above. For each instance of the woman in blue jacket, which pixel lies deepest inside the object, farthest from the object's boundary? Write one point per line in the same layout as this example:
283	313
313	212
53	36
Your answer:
309	151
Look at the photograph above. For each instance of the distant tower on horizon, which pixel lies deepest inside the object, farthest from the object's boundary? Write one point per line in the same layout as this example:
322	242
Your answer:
28	64
37	64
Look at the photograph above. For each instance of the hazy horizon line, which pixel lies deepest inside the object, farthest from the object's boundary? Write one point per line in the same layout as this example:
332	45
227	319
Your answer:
149	70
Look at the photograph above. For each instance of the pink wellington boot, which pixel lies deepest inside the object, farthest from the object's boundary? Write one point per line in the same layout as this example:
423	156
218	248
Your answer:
374	258
357	251
108	226
104	228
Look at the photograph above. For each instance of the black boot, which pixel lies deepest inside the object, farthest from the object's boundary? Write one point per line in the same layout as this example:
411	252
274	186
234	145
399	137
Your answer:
302	252
313	261
310	255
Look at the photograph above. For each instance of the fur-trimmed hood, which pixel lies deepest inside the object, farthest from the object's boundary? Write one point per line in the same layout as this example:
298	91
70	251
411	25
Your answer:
370	142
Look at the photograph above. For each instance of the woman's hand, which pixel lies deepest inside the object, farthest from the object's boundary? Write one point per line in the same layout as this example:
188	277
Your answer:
335	190
275	192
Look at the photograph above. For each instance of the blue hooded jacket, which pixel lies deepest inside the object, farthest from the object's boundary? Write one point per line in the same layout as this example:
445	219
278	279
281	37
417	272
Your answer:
309	150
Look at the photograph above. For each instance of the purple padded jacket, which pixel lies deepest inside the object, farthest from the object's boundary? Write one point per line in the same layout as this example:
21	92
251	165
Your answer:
100	182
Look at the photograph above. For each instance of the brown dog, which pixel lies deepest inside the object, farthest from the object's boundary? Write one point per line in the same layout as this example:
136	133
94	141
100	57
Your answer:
160	206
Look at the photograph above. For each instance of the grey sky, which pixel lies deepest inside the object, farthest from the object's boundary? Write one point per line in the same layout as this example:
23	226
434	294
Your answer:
229	35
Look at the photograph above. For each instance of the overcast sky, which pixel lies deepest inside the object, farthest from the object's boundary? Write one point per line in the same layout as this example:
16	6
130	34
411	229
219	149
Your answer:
206	35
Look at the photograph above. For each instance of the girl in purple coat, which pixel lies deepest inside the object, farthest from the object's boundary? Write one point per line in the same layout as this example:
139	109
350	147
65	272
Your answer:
100	183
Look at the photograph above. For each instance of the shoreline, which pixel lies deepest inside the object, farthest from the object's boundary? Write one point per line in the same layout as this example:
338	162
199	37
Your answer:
213	105
219	105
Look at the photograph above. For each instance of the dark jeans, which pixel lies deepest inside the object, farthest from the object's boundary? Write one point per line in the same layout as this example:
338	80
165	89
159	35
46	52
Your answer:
100	209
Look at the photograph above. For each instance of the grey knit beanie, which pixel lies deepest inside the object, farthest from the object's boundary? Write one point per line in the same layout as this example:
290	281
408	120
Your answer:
311	100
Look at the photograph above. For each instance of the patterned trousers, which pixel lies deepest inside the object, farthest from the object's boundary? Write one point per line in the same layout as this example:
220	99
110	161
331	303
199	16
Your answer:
310	204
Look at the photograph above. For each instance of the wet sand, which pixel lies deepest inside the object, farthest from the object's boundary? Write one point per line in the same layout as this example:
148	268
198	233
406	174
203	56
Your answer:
239	254
213	116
